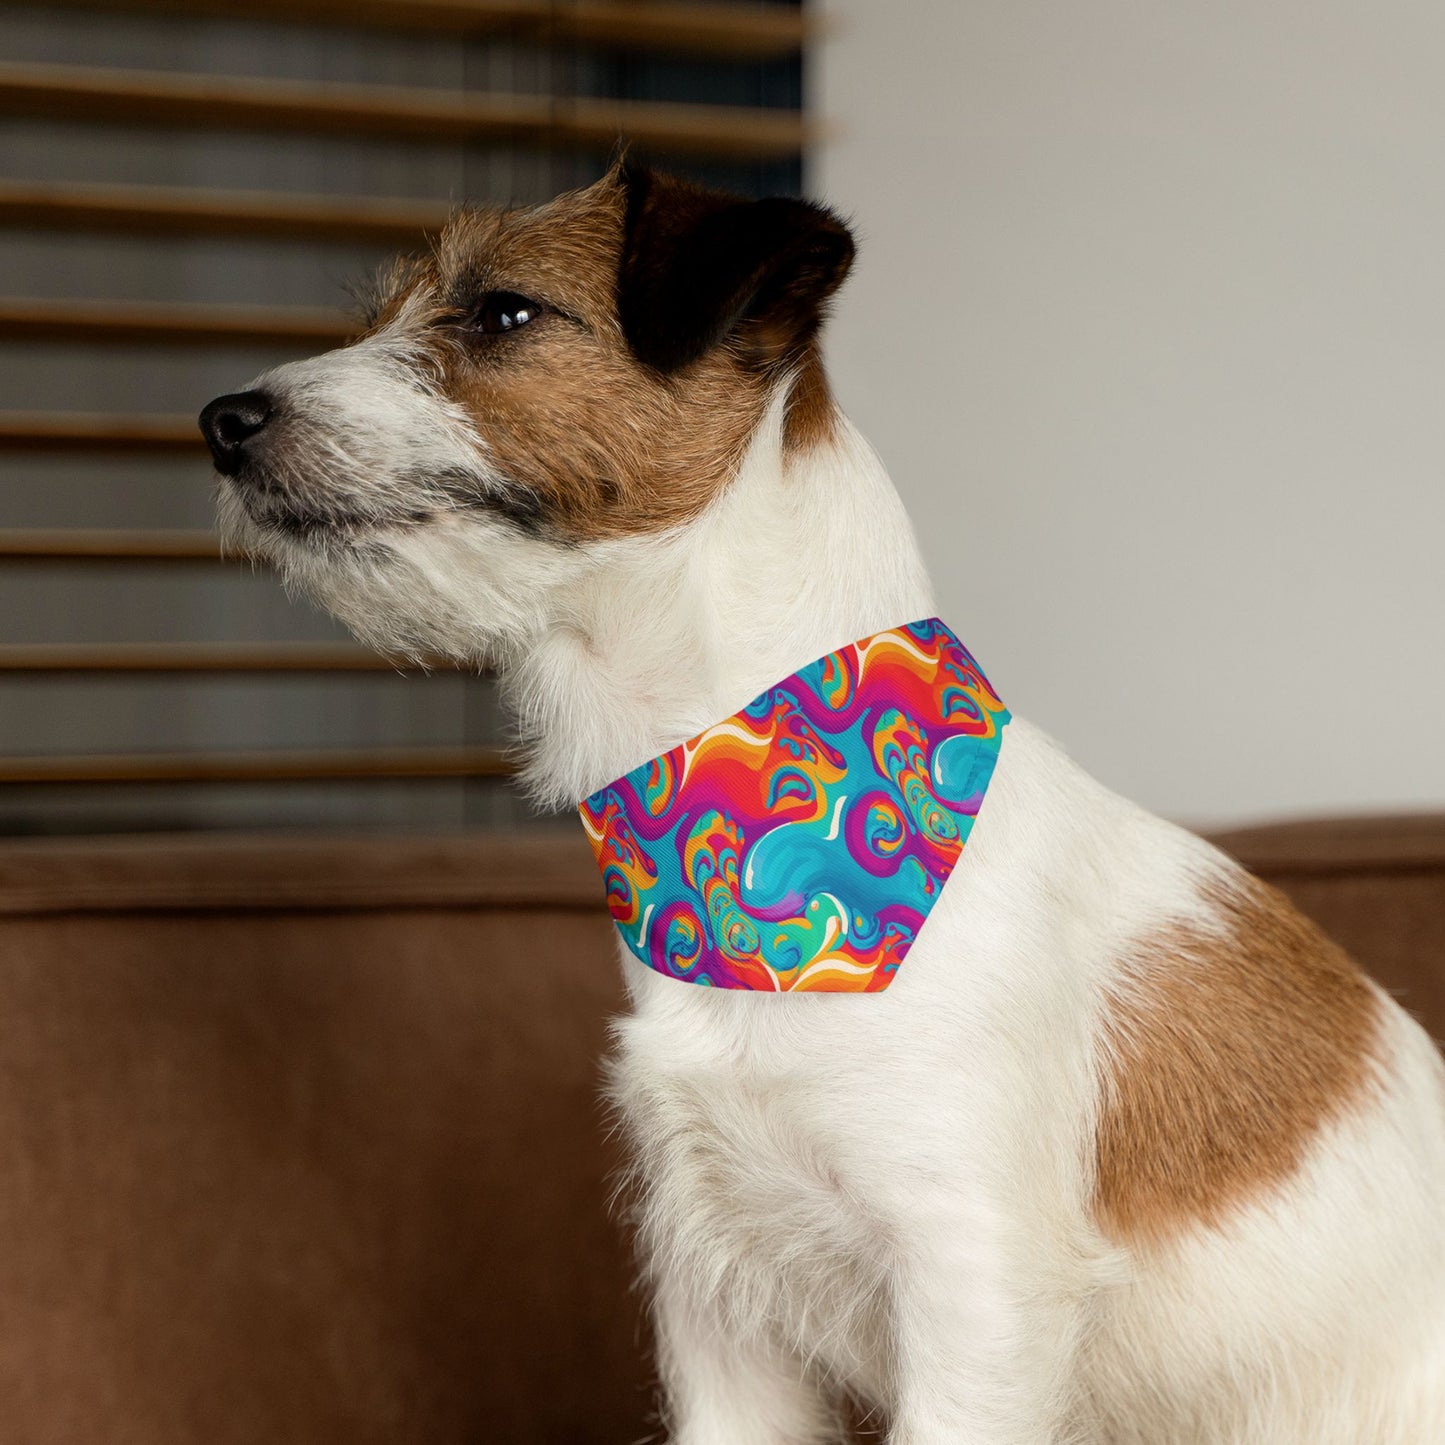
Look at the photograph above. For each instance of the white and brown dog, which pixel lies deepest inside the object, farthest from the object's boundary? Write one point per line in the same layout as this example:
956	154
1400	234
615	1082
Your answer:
1129	1153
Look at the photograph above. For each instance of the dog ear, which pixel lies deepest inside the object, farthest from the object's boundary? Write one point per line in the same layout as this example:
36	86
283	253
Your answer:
698	266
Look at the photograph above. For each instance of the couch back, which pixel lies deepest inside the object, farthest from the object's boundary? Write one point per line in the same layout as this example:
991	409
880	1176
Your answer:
302	1138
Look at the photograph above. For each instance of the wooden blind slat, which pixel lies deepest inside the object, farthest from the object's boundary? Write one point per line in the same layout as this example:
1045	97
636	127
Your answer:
271	766
80	431
173	211
172	323
83	544
761	32
219	102
755	32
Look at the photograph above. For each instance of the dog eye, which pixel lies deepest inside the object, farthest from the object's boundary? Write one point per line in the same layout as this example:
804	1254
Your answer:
504	311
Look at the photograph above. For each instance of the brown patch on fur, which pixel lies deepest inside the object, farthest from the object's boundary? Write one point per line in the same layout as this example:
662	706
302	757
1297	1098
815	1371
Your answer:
1228	1051
812	416
604	445
598	442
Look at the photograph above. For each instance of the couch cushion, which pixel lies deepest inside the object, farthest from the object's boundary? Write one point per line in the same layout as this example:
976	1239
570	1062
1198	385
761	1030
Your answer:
302	1143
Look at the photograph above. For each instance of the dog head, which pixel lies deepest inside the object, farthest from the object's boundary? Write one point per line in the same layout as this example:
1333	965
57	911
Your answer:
546	383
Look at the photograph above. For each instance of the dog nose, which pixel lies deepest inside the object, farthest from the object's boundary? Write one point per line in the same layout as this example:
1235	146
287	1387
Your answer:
229	422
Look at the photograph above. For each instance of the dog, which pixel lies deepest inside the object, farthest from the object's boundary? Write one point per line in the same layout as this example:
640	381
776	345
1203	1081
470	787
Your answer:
1126	1151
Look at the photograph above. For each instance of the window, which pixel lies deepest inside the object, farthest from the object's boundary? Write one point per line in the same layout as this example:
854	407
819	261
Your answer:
185	193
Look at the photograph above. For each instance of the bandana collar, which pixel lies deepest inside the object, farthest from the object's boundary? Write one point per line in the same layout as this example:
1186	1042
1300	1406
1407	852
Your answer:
801	843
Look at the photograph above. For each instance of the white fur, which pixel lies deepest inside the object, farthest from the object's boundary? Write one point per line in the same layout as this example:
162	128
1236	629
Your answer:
889	1194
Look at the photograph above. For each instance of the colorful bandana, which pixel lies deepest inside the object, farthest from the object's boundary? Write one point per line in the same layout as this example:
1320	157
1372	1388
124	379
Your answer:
800	843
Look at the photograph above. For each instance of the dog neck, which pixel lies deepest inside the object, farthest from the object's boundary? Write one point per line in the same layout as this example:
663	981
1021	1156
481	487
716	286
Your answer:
805	551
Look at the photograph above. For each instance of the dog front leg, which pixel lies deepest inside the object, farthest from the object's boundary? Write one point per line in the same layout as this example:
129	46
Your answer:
984	1344
723	1386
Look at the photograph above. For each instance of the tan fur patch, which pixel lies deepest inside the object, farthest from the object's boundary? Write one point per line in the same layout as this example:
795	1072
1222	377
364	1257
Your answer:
606	445
1227	1052
812	414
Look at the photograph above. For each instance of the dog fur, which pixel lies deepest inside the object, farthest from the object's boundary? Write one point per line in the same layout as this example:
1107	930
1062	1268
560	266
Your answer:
1128	1152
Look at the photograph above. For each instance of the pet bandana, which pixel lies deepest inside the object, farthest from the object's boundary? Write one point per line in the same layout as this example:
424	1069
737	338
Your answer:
800	844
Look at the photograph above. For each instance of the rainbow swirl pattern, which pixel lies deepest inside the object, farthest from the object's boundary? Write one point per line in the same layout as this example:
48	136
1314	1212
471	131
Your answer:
800	844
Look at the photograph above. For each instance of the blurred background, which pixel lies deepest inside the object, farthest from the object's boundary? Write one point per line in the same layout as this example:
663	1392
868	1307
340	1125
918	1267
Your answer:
188	192
302	1009
1149	324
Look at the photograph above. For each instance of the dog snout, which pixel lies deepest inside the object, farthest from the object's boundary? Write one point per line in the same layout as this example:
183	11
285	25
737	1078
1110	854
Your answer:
230	422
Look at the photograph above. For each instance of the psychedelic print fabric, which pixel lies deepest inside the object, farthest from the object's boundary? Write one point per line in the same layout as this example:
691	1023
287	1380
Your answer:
800	844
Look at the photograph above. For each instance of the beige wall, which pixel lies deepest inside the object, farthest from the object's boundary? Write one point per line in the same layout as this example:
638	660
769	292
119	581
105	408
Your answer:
1149	323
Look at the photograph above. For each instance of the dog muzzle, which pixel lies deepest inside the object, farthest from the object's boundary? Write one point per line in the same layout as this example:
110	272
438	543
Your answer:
801	844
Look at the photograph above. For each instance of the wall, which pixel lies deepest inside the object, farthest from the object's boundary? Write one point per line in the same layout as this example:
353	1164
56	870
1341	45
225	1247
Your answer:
1149	323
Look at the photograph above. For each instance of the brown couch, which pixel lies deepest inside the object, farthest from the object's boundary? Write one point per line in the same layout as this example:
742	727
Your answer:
302	1142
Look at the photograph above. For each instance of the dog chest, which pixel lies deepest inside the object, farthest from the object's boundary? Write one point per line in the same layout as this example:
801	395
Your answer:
748	1190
